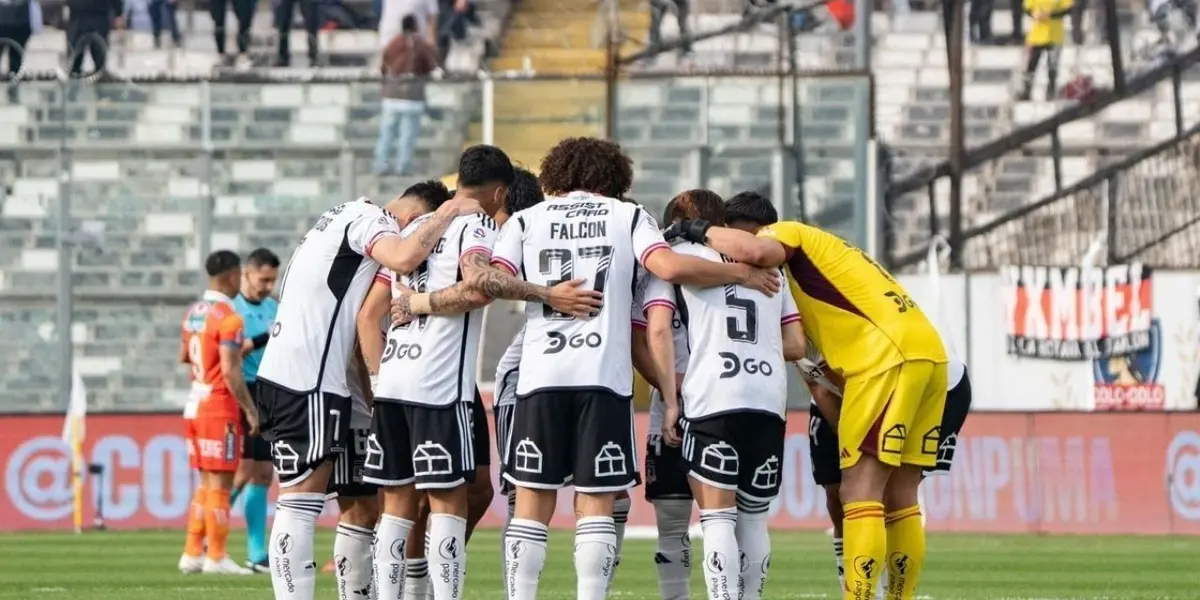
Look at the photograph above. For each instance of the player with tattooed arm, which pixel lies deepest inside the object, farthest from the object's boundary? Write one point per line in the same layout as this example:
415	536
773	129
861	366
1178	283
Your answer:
576	402
893	363
303	398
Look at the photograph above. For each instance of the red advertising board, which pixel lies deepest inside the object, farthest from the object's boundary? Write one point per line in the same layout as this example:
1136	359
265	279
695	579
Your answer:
1032	472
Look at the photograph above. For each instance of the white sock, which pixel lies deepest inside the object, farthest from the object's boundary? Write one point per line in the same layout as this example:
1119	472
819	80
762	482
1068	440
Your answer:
595	556
429	589
352	559
674	557
512	507
416	579
391	541
754	543
525	554
620	518
449	534
841	563
293	574
720	552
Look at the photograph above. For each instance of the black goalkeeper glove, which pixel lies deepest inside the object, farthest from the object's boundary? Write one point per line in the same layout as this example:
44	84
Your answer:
692	230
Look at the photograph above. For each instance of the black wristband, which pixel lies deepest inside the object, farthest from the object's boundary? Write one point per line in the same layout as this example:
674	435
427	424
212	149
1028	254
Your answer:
260	340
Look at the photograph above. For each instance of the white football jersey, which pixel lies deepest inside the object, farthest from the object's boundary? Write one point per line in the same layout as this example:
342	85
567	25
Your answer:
578	236
661	293
326	280
508	370
431	360
736	341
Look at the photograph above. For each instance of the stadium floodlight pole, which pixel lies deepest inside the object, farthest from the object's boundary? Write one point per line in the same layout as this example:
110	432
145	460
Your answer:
957	133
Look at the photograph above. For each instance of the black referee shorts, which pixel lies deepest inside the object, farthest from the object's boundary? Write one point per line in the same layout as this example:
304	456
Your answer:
254	447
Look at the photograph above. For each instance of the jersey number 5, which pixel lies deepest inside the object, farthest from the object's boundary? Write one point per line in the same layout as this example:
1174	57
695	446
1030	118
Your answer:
736	331
566	271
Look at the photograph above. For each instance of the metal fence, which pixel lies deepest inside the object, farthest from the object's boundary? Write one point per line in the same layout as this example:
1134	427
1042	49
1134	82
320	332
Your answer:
165	171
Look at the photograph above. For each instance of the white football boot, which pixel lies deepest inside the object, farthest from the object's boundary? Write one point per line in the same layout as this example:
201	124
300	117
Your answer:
225	566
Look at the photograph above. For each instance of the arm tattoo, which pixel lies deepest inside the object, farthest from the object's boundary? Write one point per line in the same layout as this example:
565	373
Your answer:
456	299
496	283
431	231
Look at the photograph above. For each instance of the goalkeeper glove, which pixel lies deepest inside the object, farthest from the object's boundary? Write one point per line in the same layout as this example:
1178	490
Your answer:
692	230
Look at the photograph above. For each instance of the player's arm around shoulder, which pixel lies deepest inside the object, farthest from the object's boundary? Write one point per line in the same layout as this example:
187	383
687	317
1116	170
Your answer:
684	269
762	250
456	299
403	254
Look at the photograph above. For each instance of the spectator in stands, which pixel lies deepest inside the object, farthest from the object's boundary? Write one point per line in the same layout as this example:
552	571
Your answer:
453	17
162	16
243	10
88	26
658	11
1160	15
424	13
1045	38
284	16
16	26
407	60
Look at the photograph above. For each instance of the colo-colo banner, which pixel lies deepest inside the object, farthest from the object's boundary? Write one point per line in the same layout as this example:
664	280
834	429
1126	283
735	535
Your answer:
1079	313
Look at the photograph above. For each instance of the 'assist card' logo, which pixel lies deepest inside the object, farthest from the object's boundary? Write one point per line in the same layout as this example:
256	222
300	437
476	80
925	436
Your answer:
1130	381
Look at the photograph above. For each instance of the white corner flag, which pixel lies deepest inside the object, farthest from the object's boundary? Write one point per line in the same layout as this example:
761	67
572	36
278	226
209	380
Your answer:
73	435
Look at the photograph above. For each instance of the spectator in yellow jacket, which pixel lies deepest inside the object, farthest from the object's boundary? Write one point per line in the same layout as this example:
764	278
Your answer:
1045	37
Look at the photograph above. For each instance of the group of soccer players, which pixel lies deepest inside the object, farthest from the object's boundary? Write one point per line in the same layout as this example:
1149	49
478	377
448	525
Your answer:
366	389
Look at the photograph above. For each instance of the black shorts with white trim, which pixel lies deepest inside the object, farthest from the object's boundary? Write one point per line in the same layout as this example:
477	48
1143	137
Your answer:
347	480
583	438
430	446
480	435
504	419
304	429
666	471
741	451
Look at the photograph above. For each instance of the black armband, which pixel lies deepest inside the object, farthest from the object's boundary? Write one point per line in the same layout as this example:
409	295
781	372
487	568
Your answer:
260	340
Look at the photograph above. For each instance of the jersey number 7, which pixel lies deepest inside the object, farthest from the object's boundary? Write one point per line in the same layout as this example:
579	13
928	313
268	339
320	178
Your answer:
566	271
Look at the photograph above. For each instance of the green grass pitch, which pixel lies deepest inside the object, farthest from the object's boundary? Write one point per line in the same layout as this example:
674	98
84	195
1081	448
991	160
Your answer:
141	566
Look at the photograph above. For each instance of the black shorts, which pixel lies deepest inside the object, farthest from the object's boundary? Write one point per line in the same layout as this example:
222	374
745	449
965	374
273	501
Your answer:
584	438
480	435
740	451
304	430
666	471
823	442
954	416
254	447
347	480
504	419
430	446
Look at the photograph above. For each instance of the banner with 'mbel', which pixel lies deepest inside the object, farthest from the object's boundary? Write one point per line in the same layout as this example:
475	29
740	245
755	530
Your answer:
1078	313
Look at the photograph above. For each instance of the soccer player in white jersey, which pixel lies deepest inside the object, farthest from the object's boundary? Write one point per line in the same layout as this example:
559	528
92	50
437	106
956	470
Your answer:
732	408
750	211
303	399
573	420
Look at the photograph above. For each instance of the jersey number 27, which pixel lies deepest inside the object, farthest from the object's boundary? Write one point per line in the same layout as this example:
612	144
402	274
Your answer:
564	259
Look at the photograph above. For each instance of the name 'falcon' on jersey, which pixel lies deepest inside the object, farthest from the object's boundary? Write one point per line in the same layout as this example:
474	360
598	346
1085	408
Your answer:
326	279
584	236
431	360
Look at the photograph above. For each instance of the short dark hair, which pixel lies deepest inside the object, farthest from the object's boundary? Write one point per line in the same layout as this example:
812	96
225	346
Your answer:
697	204
262	257
668	215
409	24
751	206
483	164
523	192
431	191
587	164
221	262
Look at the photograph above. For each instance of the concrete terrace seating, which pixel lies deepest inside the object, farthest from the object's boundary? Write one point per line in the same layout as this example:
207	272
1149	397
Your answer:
134	52
281	153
